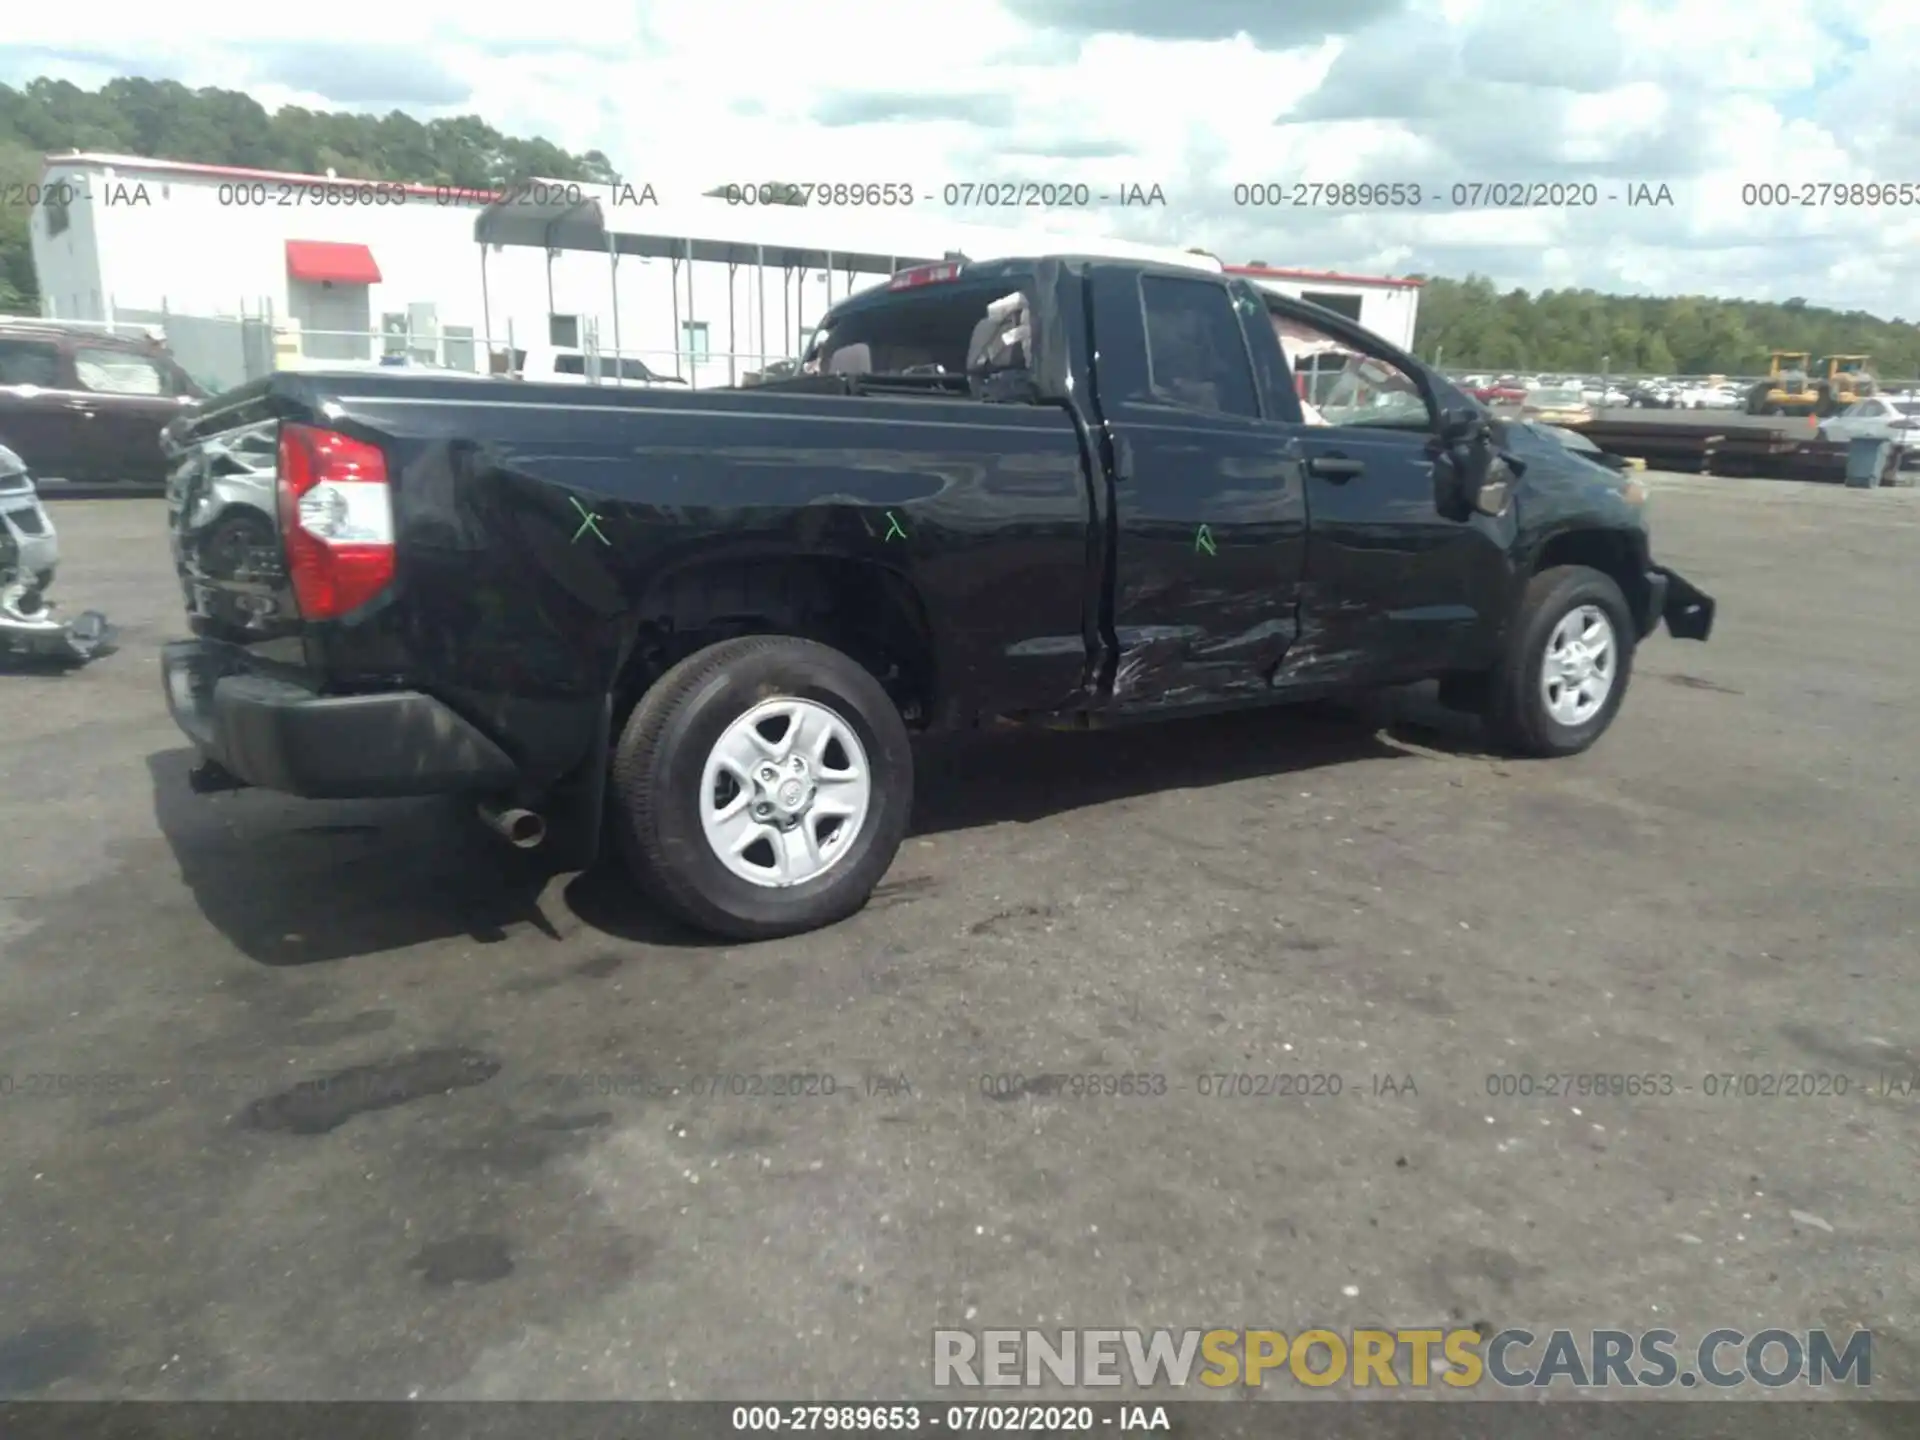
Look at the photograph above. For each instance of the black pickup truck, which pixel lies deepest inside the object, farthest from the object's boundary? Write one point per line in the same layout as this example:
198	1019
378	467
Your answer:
1062	490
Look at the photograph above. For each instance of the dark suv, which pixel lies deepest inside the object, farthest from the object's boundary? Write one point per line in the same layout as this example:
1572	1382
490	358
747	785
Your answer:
87	407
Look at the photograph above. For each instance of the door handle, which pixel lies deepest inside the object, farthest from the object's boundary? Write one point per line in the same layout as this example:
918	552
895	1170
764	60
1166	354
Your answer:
1122	458
1337	468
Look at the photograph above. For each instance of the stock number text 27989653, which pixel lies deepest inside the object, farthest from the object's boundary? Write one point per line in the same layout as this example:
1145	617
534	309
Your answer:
1411	194
1866	194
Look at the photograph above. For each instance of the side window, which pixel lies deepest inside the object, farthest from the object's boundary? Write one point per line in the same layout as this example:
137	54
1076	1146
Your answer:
114	372
29	362
1196	356
1344	386
570	365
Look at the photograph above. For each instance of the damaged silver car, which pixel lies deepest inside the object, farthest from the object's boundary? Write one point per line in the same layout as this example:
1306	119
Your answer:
29	554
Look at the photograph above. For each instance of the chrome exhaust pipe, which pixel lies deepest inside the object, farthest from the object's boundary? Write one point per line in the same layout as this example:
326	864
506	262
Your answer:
522	828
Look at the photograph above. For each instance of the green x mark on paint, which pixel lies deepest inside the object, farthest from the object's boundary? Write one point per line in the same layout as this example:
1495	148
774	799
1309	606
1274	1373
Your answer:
588	521
1203	542
893	528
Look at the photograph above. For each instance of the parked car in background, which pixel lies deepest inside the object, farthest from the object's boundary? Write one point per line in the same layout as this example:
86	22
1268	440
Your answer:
1880	417
1500	392
1652	395
1563	406
29	549
554	364
85	407
1712	395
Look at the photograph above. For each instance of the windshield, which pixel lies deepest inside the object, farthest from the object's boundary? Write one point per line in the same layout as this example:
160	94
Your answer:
1557	399
1907	407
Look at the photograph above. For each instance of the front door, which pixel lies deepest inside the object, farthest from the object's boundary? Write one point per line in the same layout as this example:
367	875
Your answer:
1394	590
1209	512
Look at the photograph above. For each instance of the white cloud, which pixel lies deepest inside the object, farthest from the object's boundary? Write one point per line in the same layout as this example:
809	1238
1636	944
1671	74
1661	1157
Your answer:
1703	96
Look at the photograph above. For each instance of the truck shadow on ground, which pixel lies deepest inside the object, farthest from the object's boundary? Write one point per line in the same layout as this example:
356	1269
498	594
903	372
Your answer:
293	882
962	782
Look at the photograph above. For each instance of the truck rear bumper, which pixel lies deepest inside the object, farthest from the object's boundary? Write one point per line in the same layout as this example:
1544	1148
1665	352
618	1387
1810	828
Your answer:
1687	611
282	736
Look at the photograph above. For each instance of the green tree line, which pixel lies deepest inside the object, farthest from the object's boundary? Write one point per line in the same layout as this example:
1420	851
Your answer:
164	120
1470	324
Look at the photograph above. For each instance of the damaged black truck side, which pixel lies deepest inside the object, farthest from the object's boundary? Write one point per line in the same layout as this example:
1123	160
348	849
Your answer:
1056	490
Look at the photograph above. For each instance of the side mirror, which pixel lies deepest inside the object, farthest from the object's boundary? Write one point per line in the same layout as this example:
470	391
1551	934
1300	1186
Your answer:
1458	425
1470	475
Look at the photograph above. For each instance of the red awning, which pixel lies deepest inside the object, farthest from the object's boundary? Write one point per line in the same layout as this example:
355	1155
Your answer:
333	260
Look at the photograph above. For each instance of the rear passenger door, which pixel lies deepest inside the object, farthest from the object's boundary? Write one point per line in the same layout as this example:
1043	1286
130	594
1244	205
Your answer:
130	399
1210	517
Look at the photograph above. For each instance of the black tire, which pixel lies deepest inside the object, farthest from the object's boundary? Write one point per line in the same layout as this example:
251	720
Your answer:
1517	717
657	776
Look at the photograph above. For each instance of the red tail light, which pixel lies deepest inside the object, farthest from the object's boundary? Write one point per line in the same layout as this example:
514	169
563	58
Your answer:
923	275
336	520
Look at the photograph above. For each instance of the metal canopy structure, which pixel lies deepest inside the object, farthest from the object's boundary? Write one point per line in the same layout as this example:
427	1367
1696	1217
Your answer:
793	239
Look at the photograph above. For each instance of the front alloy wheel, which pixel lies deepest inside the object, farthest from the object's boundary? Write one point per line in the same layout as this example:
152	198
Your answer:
1576	676
1569	656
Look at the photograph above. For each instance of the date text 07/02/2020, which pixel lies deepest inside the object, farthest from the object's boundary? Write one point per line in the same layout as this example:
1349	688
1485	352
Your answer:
1460	195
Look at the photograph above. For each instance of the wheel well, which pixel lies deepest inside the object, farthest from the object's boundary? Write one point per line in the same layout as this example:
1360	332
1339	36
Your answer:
1613	554
866	611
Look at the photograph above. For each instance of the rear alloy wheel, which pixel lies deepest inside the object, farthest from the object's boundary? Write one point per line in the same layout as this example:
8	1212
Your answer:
764	785
1567	664
785	792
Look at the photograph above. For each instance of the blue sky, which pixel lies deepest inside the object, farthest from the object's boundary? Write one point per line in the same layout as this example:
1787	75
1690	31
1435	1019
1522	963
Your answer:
1706	96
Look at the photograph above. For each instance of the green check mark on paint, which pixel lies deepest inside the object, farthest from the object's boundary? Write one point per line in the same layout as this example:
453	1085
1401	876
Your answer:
1203	542
588	521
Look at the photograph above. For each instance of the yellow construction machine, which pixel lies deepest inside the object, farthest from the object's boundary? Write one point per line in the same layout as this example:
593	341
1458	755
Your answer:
1788	388
1843	380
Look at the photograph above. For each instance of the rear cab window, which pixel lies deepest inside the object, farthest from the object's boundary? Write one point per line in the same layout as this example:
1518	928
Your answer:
927	330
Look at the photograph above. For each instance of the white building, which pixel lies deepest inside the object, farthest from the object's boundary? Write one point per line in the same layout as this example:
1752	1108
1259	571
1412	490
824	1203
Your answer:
701	288
1389	307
